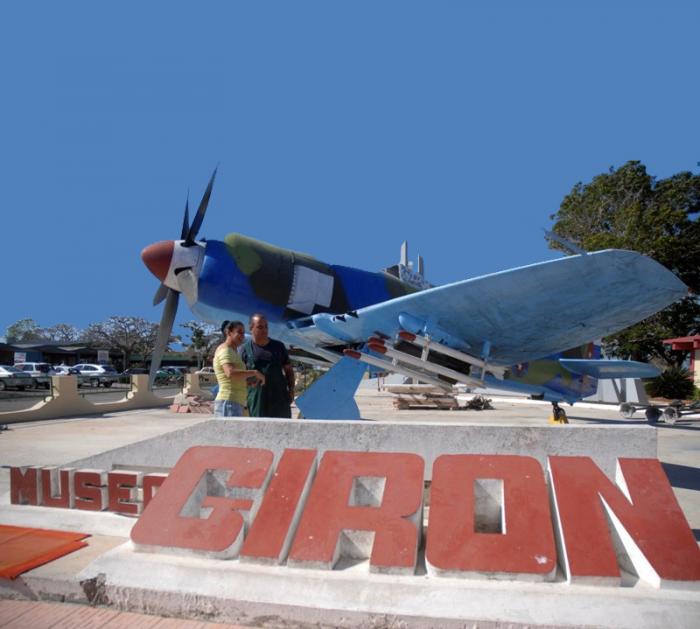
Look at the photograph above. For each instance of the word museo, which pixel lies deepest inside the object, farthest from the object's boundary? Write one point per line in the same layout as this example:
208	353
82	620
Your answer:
489	515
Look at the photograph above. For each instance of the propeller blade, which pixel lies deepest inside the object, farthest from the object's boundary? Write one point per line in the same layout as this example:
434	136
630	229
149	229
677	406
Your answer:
187	281
199	217
160	295
186	219
164	330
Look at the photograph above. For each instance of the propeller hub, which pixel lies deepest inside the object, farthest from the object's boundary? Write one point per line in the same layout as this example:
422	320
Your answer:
157	258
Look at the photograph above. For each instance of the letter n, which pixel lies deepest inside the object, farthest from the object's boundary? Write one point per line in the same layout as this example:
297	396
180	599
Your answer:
362	504
638	520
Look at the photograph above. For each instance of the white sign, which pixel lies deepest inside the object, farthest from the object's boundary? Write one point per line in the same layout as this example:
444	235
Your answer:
20	357
102	355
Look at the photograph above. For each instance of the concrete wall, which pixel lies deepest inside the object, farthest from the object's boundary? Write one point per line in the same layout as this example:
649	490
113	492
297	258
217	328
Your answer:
604	444
618	390
67	402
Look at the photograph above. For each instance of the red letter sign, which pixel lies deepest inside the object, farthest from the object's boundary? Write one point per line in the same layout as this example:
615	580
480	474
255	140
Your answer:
56	487
363	500
507	535
197	507
90	490
123	487
271	534
643	511
25	486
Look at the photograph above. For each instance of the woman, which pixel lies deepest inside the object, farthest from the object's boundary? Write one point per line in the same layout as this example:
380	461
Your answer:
231	373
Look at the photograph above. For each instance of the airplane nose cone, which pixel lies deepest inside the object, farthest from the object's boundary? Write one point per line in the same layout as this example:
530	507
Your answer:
157	258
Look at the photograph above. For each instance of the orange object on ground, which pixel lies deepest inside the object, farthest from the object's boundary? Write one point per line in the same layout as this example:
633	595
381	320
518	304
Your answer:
23	548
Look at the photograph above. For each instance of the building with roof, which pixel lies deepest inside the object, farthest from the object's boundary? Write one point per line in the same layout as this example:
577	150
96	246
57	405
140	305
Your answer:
689	344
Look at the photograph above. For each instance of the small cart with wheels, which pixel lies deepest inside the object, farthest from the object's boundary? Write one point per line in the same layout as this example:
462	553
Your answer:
669	413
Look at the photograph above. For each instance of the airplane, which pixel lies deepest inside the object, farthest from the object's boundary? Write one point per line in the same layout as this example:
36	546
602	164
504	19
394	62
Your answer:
526	330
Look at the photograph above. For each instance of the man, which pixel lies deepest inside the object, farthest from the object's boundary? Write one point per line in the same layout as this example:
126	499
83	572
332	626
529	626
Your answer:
270	358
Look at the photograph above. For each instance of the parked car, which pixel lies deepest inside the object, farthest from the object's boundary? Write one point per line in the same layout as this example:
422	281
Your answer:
125	376
40	372
13	378
134	371
176	370
165	376
97	375
65	370
207	377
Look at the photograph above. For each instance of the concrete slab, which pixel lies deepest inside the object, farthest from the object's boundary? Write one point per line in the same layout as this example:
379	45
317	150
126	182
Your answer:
602	443
58	580
229	591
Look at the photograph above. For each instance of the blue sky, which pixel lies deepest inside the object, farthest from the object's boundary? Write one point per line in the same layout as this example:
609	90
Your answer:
341	129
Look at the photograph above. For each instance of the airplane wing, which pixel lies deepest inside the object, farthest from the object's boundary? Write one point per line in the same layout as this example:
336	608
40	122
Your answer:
521	314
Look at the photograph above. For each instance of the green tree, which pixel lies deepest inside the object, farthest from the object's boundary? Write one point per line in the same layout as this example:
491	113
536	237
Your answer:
203	339
24	331
626	208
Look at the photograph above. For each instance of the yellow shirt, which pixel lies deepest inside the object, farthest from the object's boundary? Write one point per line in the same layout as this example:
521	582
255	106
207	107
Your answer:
231	390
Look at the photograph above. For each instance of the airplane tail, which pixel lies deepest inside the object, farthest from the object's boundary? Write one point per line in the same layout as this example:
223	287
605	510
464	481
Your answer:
586	360
586	368
604	369
573	375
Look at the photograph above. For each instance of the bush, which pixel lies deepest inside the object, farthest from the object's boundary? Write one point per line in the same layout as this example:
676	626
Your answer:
674	384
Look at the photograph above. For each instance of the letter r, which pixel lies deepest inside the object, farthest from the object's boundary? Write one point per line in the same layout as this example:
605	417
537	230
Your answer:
358	496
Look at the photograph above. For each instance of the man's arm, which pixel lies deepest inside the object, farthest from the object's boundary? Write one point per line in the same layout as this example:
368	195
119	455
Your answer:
288	370
289	374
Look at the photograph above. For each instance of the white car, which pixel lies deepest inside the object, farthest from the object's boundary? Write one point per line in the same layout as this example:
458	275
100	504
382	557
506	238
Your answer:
207	377
97	375
41	372
13	378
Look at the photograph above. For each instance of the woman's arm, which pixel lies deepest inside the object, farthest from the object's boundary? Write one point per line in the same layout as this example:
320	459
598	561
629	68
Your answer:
242	374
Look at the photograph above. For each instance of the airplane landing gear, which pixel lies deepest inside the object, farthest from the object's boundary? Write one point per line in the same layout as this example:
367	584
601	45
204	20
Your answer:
558	415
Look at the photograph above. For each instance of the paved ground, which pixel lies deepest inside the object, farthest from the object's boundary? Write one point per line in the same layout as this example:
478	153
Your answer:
61	441
36	615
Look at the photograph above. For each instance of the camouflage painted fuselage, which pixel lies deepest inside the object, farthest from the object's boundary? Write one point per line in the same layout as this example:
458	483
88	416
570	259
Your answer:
243	275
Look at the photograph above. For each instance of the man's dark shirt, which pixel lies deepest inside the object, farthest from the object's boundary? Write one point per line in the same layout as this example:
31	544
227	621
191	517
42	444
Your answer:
272	398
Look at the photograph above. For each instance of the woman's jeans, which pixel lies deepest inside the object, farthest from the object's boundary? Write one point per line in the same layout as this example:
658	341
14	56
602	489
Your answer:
225	408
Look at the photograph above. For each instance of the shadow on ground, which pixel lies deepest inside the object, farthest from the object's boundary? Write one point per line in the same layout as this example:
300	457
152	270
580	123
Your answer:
682	476
685	424
615	422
